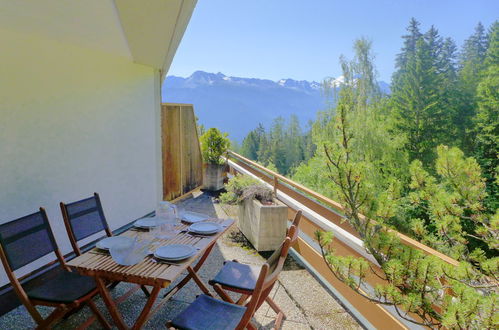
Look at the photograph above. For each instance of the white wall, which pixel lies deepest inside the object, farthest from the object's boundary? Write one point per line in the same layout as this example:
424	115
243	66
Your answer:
74	121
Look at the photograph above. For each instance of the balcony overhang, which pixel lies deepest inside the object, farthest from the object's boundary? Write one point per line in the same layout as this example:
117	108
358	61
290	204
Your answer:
145	32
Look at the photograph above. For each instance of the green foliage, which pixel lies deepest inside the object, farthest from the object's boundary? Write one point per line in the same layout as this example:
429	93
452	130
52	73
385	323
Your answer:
419	108
471	66
243	187
213	145
271	167
405	162
486	120
454	219
357	130
417	282
457	221
284	145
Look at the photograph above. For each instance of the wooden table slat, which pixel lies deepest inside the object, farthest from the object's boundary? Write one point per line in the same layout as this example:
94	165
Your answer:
97	263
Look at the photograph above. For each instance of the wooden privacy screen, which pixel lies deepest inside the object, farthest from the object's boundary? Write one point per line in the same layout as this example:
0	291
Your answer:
182	163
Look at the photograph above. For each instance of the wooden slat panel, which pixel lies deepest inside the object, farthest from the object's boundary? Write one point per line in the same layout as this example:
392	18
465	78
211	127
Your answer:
182	162
192	164
170	137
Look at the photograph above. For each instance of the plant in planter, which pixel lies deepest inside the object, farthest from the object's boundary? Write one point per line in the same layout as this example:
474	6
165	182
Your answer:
262	218
213	145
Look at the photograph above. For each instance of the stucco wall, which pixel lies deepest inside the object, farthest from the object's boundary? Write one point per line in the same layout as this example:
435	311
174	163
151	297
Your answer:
74	121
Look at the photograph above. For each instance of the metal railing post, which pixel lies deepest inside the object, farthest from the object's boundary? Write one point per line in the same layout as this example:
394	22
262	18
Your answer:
276	182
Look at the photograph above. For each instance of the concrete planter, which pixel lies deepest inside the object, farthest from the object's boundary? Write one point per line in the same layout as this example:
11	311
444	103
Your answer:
263	225
213	178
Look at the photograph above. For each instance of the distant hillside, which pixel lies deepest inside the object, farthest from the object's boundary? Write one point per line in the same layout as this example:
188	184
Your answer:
237	105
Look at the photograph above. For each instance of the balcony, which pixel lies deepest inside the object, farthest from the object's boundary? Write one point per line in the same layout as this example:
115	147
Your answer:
309	294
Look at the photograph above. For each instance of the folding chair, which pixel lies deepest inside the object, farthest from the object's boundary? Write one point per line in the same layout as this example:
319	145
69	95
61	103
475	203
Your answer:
241	278
208	313
83	219
24	240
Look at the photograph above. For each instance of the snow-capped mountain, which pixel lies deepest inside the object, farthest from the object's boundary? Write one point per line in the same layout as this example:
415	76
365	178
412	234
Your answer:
237	105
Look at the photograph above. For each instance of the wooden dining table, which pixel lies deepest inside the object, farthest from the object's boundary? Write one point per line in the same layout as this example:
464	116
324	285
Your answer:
151	271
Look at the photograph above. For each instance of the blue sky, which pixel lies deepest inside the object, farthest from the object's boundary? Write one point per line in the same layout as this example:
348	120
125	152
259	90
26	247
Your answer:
276	39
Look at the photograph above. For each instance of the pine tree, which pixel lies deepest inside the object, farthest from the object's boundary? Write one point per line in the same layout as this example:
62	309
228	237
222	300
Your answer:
263	145
417	104
471	65
251	145
434	43
447	69
277	147
487	119
409	47
293	142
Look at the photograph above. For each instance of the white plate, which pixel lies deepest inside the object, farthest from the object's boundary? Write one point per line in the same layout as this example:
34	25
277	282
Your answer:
205	228
108	242
175	252
146	222
192	217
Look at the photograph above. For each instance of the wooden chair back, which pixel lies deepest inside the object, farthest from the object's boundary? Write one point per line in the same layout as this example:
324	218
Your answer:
84	218
23	241
296	223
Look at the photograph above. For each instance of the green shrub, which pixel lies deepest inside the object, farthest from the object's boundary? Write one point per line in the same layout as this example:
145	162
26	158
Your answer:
213	145
242	187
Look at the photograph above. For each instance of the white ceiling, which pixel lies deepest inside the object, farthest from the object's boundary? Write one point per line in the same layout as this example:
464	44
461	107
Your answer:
145	31
88	23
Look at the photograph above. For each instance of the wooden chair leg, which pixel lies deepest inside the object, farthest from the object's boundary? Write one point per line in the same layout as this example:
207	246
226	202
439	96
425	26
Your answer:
198	281
242	299
188	277
56	315
73	311
278	320
223	294
251	326
99	315
274	306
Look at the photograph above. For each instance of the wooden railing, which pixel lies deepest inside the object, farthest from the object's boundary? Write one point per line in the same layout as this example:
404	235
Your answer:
277	179
322	213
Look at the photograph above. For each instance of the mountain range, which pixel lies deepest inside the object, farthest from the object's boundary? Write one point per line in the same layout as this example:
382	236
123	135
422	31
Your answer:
237	105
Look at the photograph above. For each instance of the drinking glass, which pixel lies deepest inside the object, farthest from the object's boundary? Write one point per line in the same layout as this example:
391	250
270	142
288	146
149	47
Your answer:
167	221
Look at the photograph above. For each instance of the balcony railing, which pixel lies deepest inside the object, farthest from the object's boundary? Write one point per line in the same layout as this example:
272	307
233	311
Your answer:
322	213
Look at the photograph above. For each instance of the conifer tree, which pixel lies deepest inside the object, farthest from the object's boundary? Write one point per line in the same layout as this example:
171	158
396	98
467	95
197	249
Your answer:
250	145
417	104
409	46
471	65
487	119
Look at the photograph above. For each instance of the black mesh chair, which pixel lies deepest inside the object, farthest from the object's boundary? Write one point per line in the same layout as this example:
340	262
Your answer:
241	278
83	219
209	313
26	240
